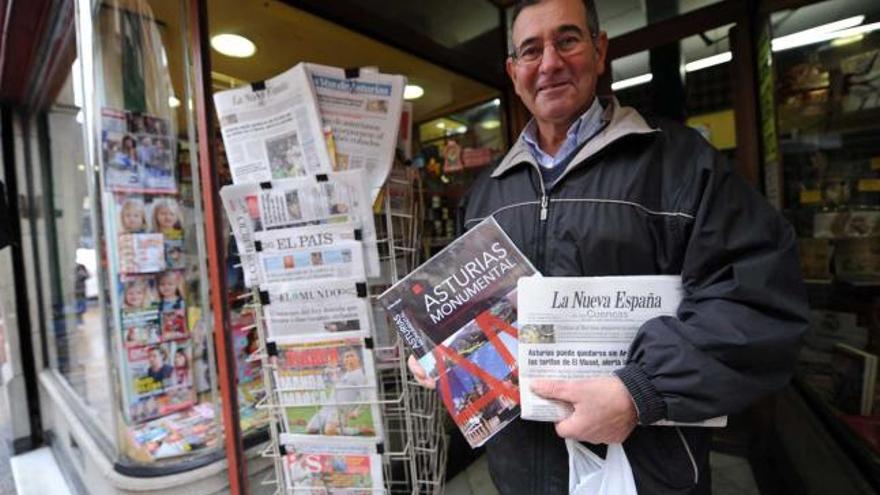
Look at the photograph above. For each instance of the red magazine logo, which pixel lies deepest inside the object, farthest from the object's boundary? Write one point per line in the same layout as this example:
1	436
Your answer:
417	289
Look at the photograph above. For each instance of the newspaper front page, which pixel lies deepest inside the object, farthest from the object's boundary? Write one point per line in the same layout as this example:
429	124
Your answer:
302	202
581	327
363	114
331	465
273	131
318	307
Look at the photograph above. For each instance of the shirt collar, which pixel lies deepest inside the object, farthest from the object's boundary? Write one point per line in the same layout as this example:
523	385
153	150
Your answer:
580	130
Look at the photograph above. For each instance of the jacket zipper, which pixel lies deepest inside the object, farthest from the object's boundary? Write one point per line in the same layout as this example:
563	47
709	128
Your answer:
542	224
687	449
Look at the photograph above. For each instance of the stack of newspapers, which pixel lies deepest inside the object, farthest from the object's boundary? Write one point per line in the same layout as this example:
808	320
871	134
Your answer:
308	151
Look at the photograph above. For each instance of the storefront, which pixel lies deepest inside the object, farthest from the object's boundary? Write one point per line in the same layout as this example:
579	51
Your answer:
125	267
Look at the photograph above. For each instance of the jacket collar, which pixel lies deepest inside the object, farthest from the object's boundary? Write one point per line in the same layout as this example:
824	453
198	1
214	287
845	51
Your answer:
617	122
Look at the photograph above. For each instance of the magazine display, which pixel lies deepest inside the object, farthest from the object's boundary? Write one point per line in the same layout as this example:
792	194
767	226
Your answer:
342	198
317	307
458	314
328	387
363	113
273	130
332	466
581	327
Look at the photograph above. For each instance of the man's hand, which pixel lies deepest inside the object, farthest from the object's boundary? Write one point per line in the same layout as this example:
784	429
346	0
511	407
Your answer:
419	372
603	409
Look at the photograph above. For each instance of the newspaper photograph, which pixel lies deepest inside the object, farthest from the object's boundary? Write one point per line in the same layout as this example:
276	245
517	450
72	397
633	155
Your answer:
342	260
317	307
457	313
331	465
363	114
328	387
252	208
581	327
272	132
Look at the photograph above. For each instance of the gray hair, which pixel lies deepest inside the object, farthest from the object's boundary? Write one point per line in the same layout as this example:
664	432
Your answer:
589	6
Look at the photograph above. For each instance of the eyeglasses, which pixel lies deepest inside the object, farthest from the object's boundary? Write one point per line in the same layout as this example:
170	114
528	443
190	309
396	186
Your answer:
567	45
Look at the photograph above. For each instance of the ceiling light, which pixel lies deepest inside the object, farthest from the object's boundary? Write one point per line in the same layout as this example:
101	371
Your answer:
847	40
440	125
497	102
412	92
173	102
816	34
461	129
81	167
632	81
490	124
721	58
233	45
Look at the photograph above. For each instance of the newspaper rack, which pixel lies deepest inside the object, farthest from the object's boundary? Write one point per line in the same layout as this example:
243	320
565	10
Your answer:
414	446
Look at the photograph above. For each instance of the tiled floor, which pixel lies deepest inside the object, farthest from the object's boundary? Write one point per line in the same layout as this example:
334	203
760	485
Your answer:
7	485
730	476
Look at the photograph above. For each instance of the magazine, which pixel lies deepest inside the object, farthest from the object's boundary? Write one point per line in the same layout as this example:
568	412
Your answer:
363	112
138	152
581	327
159	380
176	434
846	224
341	260
331	466
317	307
273	130
854	380
141	253
457	312
141	323
328	387
342	198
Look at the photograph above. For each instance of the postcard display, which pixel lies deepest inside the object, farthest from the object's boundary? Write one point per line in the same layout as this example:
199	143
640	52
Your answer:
149	225
309	151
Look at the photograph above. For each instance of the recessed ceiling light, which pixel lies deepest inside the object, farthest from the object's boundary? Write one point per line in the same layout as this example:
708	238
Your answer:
497	102
490	124
412	92
233	45
632	81
173	102
440	125
461	129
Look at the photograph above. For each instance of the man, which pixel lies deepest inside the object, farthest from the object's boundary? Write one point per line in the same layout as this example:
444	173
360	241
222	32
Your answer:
591	189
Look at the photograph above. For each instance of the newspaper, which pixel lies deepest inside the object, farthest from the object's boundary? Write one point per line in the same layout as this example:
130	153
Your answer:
580	327
457	313
288	203
328	387
272	132
331	465
317	307
342	260
363	114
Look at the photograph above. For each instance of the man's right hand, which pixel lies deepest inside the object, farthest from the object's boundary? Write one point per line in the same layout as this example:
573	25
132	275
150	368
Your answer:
419	373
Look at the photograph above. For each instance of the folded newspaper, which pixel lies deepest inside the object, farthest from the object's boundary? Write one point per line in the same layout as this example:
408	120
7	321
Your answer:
580	327
331	465
457	312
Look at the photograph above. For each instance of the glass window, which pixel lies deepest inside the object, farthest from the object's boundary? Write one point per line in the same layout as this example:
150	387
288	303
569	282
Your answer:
826	64
148	239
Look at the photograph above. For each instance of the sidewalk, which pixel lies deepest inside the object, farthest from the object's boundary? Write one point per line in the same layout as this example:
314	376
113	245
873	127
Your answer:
7	485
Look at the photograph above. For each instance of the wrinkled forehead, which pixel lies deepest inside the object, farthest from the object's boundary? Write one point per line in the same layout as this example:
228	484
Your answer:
549	18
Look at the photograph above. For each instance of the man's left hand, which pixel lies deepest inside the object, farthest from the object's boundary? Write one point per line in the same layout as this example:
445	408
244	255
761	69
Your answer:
603	408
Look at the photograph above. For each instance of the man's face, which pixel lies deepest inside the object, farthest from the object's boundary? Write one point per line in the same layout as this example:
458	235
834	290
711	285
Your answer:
156	360
558	87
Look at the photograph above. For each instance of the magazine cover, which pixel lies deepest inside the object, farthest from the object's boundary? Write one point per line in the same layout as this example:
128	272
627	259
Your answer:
457	312
328	387
854	378
342	198
331	466
170	290
317	307
273	131
176	434
141	323
159	379
363	113
138	153
342	260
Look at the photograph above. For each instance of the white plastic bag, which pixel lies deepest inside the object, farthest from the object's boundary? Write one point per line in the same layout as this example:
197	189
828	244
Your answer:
589	474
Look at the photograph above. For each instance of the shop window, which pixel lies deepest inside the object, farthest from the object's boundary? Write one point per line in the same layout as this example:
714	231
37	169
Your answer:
146	236
826	66
452	151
